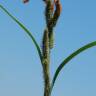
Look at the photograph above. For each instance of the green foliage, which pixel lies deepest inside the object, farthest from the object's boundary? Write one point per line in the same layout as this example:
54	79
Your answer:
25	29
70	57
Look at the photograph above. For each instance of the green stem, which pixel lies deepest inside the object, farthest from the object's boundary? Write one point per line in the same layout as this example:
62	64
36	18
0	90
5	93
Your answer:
46	80
46	62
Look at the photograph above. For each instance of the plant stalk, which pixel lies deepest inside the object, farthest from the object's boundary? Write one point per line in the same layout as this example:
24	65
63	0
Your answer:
46	80
46	62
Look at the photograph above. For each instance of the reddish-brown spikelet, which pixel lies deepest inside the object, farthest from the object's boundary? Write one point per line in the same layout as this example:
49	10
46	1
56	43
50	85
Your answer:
25	1
57	12
58	7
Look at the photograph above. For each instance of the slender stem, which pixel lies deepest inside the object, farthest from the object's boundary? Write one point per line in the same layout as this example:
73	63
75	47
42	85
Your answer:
46	62
46	48
46	80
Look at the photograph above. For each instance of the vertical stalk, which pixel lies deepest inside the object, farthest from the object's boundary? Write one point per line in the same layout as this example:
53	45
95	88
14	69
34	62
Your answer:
46	49
46	63
46	80
51	17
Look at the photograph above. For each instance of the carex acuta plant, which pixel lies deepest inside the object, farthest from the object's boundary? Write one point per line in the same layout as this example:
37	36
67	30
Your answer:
52	14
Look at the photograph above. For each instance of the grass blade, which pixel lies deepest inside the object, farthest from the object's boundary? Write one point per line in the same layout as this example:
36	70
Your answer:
70	57
25	29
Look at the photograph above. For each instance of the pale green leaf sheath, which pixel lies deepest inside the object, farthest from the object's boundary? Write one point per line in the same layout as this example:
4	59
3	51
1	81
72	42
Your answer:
70	57
26	30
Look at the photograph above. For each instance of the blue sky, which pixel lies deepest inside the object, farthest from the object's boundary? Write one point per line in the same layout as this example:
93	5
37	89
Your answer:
20	68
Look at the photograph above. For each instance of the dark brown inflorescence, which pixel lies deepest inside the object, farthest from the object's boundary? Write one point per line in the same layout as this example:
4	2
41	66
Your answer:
52	17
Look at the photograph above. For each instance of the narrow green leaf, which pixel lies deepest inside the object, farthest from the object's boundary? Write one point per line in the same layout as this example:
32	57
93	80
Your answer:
26	30
70	57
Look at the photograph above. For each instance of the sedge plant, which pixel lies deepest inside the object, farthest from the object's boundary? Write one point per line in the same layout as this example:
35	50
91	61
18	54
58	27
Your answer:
52	14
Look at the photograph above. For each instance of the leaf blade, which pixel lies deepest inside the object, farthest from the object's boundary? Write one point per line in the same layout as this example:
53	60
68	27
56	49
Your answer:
70	57
26	30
